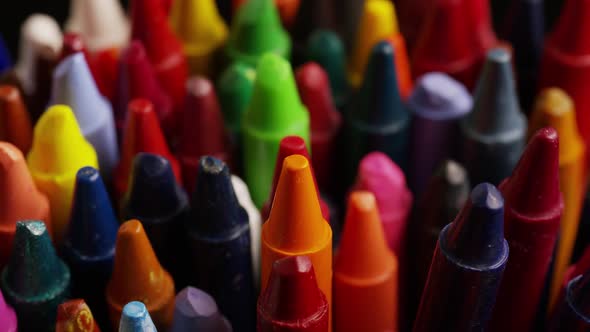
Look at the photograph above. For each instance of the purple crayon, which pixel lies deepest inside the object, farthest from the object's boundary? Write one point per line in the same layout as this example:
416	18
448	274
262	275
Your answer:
437	104
196	310
8	320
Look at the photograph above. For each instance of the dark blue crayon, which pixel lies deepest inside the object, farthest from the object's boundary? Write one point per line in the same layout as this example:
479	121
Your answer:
572	314
35	281
5	59
161	205
219	245
495	130
467	267
89	244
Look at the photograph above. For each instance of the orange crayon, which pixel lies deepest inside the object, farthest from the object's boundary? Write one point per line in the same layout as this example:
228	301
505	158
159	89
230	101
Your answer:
15	123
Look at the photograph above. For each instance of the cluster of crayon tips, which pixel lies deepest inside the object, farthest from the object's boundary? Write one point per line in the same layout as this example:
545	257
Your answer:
296	166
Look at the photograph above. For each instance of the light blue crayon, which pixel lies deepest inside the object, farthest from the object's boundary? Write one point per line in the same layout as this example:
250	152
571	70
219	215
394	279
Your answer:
136	318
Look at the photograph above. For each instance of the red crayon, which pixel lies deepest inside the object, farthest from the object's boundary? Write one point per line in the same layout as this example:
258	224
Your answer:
533	207
314	90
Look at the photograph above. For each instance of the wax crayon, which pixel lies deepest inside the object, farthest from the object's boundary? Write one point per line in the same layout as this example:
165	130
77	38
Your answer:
377	119
137	274
534	207
75	316
454	40
74	86
8	319
136	318
151	27
293	301
296	225
365	271
202	131
311	16
89	243
72	44
157	200
325	120
196	310
59	150
15	122
326	48
39	46
255	221
554	108
219	244
142	134
202	32
287	10
379	22
256	30
101	23
275	111
437	104
137	79
572	313
467	266
494	131
525	29
288	146
5	58
35	281
564	64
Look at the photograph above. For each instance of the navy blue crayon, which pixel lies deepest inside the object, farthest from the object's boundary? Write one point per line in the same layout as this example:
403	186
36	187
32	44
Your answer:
219	245
573	312
495	130
161	205
467	267
89	244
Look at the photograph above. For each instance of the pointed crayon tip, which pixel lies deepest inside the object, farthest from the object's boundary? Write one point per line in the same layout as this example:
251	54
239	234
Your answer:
16	125
136	318
75	316
7	316
197	311
234	88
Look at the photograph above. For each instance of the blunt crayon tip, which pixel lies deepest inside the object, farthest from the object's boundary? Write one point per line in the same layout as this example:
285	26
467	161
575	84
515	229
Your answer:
454	173
438	96
75	316
197	310
17	127
136	318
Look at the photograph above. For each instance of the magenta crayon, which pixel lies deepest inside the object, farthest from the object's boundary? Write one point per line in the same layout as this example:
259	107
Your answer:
8	322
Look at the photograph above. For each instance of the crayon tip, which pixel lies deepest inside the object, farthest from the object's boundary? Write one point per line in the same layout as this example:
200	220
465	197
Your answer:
438	96
476	236
8	319
234	88
16	125
536	172
136	318
197	310
75	316
292	294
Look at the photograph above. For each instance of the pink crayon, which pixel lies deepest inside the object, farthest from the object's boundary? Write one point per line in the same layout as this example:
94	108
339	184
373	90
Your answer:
7	317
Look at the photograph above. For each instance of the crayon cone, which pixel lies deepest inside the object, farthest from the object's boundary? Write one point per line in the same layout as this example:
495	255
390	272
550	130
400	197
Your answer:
8	319
15	122
75	316
196	310
136	318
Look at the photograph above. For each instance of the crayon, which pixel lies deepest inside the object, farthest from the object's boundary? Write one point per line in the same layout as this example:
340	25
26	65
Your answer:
572	313
161	205
39	45
564	64
35	281
142	134
325	120
74	86
149	24
8	319
72	44
201	131
107	64
256	30
89	243
437	104
534	207
196	310
136	318
525	30
5	58
554	108
467	266
288	146
293	301
75	316
379	22
365	271
311	16
202	32
494	131
275	111
377	119
325	48
287	9
15	122
136	79
59	150
137	274
219	245
255	221
101	23
454	40
296	225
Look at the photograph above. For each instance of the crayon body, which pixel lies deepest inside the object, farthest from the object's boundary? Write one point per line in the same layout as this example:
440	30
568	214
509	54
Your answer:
75	316
8	319
572	313
136	318
196	310
15	121
467	266
73	44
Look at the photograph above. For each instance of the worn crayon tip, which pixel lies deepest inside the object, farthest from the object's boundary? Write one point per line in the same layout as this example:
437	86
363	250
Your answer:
197	310
15	122
75	316
136	318
437	94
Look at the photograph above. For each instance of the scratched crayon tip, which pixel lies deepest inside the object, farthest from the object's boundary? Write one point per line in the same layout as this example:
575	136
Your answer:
75	316
437	93
136	318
